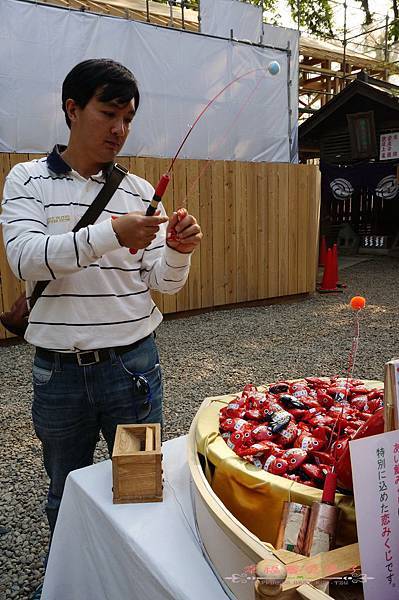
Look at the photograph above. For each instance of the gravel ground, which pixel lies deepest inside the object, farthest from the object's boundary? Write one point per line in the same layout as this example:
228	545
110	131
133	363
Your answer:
203	355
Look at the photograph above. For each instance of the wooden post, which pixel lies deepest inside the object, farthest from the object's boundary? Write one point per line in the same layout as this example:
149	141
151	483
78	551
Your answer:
391	417
270	576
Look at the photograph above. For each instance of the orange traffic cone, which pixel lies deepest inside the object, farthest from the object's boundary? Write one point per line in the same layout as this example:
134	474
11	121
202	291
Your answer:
335	263
329	281
322	251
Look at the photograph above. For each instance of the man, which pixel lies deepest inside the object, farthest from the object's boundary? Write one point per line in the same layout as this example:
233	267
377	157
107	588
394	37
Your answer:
96	362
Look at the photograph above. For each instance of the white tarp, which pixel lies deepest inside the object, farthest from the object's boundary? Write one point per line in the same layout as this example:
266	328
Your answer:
219	17
281	37
178	73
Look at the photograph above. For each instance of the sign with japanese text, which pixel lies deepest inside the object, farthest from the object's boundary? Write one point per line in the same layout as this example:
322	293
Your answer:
375	469
389	146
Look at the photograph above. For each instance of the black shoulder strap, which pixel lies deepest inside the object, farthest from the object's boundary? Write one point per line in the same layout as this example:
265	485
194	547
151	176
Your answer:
91	215
103	197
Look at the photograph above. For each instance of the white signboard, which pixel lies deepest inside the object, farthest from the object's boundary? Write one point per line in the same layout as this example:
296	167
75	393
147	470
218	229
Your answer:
375	468
389	146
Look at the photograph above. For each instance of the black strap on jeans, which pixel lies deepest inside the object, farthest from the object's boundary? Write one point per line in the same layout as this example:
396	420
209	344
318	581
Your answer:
91	215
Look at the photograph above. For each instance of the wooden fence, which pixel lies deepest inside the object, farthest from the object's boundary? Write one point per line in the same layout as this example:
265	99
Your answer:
260	224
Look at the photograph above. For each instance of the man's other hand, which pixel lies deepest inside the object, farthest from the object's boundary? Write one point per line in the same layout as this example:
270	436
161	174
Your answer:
183	233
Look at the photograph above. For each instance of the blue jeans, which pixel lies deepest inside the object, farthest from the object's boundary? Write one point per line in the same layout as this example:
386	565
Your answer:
73	403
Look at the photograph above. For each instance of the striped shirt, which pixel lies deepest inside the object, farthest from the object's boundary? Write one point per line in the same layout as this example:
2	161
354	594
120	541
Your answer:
99	293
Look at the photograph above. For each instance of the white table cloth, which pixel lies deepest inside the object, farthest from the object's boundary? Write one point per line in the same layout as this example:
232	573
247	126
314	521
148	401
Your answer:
106	551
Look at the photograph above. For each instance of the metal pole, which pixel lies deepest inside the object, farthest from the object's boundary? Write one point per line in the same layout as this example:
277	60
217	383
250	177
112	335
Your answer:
199	16
263	30
148	10
353	37
386	54
182	13
171	13
298	8
345	32
289	84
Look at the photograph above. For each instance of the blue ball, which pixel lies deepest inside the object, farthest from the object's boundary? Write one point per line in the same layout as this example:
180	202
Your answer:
274	67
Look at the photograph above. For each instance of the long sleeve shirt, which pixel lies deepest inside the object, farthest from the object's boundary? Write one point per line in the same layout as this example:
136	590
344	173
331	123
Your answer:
99	293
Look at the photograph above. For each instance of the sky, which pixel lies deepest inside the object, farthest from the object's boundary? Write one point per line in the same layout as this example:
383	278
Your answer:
355	17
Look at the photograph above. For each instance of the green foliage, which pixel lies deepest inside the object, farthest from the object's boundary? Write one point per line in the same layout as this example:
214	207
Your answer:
314	15
187	3
394	29
267	4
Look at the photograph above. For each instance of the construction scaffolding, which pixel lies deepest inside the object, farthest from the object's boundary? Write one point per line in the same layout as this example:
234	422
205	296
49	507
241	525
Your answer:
325	66
322	77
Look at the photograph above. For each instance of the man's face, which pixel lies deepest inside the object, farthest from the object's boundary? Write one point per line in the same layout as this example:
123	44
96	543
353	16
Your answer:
101	128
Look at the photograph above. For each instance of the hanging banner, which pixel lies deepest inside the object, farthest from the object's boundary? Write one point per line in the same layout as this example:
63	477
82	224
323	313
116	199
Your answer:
341	182
178	72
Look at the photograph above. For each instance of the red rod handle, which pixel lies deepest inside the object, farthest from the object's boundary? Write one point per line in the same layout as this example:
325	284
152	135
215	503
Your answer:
156	199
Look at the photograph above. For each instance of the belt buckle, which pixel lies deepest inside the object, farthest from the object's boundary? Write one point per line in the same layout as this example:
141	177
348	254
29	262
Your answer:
81	362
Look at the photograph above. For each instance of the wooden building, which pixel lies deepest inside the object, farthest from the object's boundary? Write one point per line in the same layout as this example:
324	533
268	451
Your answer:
356	138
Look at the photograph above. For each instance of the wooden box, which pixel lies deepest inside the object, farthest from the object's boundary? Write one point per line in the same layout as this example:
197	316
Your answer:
137	464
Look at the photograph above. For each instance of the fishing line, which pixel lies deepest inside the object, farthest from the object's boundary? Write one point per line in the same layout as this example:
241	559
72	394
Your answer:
351	366
243	105
196	535
273	68
357	305
209	104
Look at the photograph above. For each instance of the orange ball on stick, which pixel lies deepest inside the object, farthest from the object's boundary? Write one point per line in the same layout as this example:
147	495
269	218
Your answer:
358	302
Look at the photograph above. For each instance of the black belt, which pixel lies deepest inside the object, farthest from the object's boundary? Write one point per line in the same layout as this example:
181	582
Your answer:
88	357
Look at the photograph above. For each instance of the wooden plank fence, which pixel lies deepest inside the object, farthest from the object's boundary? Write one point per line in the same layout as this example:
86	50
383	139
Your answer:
260	224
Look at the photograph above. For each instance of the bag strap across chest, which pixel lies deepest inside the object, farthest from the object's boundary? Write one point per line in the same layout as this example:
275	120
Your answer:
90	216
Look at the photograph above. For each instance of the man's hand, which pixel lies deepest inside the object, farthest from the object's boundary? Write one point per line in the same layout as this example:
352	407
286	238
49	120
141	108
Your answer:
183	233
135	230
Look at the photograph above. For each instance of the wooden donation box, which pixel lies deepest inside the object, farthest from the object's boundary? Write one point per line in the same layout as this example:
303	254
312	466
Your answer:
137	464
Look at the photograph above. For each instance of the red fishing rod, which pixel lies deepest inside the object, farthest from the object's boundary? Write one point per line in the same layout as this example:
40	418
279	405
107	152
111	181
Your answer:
273	68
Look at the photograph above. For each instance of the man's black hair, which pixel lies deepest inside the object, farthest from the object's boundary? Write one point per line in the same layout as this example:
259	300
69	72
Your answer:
101	77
